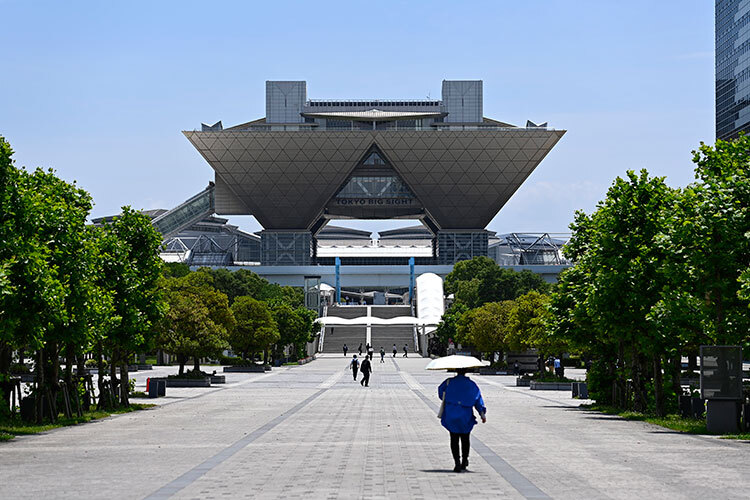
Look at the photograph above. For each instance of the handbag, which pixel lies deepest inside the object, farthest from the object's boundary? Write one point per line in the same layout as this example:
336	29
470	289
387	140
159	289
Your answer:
442	404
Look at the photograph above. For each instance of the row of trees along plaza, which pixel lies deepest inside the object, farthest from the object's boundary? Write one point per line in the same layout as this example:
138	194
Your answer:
71	291
658	272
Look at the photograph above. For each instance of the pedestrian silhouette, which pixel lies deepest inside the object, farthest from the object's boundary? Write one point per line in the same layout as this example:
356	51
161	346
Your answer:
382	355
346	349
366	371
394	350
406	351
460	396
354	365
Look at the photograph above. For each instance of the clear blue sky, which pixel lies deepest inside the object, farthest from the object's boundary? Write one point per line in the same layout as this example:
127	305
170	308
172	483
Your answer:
101	90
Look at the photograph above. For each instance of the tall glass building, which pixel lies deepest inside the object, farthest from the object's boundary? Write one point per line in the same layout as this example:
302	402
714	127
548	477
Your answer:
732	67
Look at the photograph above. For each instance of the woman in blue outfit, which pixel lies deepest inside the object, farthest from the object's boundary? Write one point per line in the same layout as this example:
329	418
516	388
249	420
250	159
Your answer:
461	397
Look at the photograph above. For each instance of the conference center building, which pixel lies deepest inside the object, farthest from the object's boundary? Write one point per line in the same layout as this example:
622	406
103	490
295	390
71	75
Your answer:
307	162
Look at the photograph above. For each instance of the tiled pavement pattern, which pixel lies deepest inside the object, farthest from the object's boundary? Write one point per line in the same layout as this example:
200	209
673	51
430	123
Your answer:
311	431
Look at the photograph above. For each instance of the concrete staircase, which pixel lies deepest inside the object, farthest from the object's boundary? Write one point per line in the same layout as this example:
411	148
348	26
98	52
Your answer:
382	336
387	312
386	336
337	336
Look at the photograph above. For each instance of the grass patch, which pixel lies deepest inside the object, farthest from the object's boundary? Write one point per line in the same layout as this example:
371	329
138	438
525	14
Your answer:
741	437
16	427
673	422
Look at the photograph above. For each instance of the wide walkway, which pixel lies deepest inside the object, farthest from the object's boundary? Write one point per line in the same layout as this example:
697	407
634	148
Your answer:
312	432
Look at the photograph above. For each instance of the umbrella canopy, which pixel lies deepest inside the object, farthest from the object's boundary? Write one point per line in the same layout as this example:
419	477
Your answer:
454	362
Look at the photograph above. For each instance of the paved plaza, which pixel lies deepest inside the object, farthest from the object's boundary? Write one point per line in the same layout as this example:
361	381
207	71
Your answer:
312	432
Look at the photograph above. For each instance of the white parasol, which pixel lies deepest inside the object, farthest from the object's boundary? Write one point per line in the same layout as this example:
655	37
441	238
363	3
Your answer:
455	362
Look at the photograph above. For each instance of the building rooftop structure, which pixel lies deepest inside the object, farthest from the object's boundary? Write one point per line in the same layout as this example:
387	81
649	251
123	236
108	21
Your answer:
310	161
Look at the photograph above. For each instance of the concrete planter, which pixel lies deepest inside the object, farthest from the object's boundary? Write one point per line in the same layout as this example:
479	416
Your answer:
492	371
522	382
246	369
189	382
218	379
550	386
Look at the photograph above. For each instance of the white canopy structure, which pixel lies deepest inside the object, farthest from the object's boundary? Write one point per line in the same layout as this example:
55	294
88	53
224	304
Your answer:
373	321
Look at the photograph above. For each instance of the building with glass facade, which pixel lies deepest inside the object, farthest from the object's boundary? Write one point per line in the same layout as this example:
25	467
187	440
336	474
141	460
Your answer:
311	161
732	67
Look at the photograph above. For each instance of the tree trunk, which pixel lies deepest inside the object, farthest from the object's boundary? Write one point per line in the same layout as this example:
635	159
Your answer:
658	386
114	382
6	359
40	387
100	378
196	364
639	402
182	359
124	383
69	361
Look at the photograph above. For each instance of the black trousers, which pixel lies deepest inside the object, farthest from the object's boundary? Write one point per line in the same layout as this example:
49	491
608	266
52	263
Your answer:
355	369
365	379
465	446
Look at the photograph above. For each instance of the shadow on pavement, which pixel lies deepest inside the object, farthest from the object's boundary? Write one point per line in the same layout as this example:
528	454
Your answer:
447	471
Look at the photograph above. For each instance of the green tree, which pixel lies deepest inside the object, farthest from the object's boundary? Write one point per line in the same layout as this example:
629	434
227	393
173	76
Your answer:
198	322
131	269
619	280
175	270
295	326
447	328
256	329
479	280
528	326
486	327
707	247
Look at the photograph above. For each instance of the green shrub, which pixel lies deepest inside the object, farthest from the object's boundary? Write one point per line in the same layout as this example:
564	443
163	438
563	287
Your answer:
190	374
92	363
600	382
19	368
231	361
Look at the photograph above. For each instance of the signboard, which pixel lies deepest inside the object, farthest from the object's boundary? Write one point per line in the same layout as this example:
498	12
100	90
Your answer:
721	372
362	202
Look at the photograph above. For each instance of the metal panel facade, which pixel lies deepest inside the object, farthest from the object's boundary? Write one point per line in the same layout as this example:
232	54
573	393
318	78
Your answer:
284	179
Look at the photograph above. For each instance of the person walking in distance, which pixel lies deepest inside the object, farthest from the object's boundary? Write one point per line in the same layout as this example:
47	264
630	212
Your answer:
346	349
382	355
370	351
354	365
406	351
394	350
366	371
461	397
360	349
